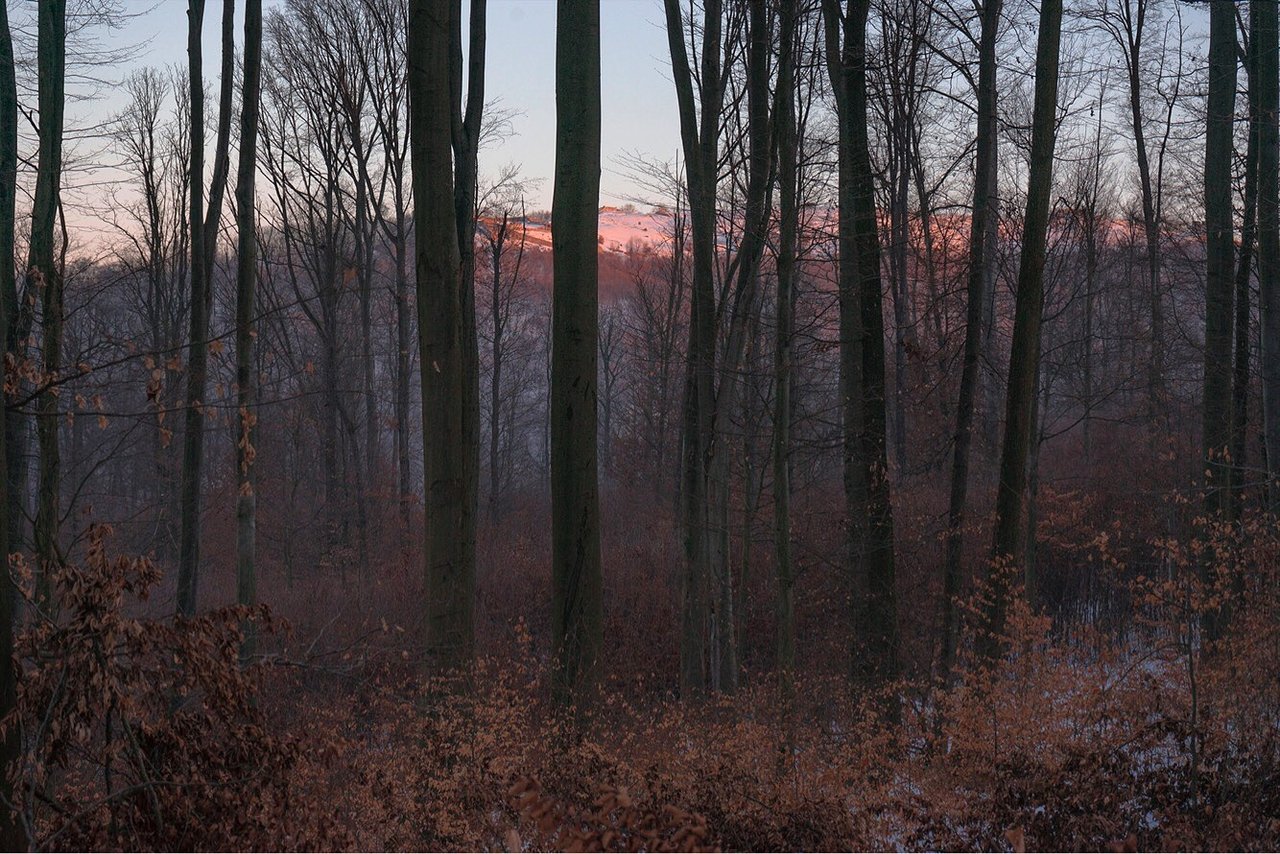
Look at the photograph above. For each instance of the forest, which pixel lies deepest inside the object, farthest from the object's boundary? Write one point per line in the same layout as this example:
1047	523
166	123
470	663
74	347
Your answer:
896	466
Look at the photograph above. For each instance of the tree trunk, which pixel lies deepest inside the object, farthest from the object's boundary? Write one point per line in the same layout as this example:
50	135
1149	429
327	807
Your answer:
1135	23
577	612
699	140
788	226
204	230
45	277
450	540
1244	272
1024	356
1219	284
495	376
466	127
1267	72
13	836
724	676
403	371
875	640
984	219
246	288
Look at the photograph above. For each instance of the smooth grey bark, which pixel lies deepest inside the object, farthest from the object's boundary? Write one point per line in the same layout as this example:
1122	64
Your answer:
576	589
466	130
450	542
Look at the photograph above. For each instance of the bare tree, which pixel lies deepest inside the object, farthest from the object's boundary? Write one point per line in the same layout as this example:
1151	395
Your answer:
13	835
788	227
246	287
576	607
984	220
450	557
1024	356
45	276
862	364
1267	70
699	133
203	229
1219	254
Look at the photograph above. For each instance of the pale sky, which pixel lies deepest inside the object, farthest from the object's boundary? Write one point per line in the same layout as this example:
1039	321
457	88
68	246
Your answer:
639	107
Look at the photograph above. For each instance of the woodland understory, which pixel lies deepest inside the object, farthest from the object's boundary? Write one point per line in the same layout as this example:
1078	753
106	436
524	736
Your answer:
1112	730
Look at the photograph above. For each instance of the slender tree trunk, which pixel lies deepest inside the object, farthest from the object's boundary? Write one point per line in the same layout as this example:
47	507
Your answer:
466	130
725	675
1024	357
1219	284
699	129
495	376
402	378
850	323
788	226
450	546
13	836
45	277
984	219
1093	225
576	608
203	229
1135	26
1268	70
1031	580
246	288
1244	272
193	423
901	293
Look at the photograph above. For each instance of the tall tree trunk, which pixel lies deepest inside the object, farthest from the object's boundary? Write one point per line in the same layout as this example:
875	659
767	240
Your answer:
1024	356
876	640
246	288
1093	225
725	653
1268	72
450	546
788	226
467	128
45	276
1134	25
576	608
850	322
699	129
495	376
204	230
1219	284
1244	272
983	220
13	836
403	372
901	284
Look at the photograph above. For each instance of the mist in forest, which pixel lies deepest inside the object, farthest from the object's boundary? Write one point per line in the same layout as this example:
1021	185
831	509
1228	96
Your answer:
856	428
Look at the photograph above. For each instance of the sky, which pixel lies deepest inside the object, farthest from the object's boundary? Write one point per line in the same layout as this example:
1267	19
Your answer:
638	101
